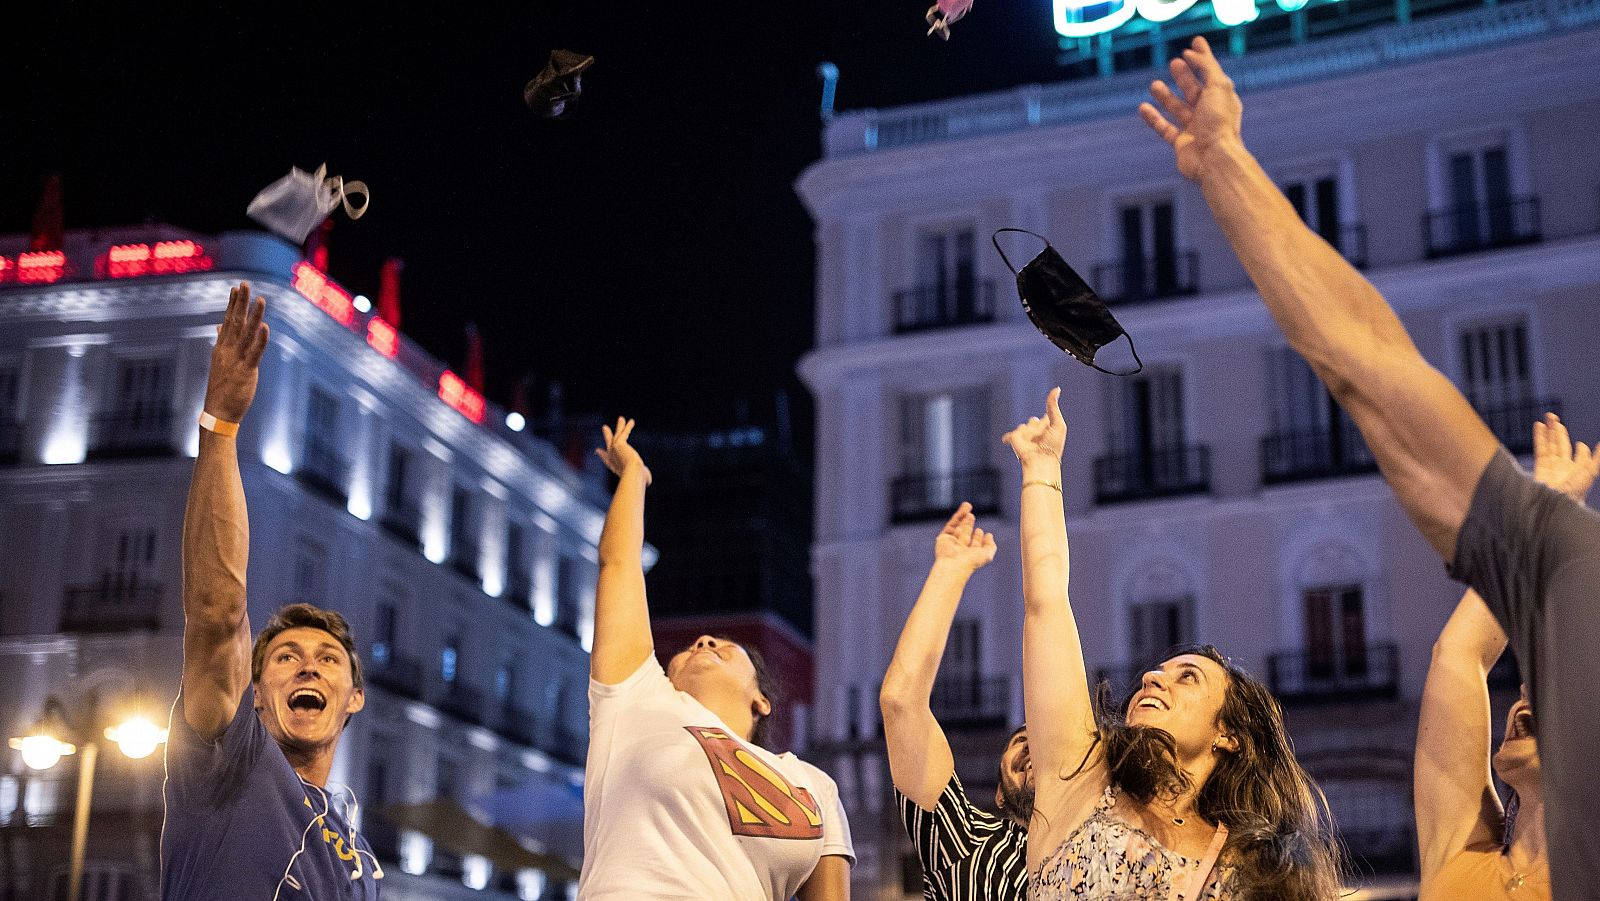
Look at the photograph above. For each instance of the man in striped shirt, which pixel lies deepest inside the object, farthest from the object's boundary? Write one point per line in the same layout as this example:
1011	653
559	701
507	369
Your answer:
965	852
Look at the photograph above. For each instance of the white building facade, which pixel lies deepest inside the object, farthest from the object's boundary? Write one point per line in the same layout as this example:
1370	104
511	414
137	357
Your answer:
1218	495
380	485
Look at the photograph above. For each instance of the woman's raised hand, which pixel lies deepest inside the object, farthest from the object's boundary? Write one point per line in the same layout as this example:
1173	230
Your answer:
1041	439
961	541
618	455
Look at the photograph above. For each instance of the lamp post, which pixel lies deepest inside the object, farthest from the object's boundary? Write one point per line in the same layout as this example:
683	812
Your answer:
44	746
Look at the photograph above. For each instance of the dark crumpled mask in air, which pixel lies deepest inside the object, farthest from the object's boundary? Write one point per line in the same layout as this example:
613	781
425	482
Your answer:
1063	307
553	90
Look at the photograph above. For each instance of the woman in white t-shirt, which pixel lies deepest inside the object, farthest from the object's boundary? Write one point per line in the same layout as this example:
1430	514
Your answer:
679	803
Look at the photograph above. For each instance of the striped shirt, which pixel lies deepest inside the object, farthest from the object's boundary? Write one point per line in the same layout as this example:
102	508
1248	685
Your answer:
966	853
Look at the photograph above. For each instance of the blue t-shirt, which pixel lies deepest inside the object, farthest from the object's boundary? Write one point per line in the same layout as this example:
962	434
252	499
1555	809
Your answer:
236	814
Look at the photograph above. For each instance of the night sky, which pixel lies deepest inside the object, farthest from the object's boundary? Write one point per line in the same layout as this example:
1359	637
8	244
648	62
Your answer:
648	251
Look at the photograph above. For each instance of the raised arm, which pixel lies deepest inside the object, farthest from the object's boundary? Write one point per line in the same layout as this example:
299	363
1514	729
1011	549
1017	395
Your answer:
920	761
1055	688
621	617
1428	441
216	530
1454	792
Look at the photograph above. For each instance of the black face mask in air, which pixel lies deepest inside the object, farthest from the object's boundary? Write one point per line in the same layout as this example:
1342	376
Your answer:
1063	307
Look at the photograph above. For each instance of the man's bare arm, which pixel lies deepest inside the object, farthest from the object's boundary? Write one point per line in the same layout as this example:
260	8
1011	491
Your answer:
1430	444
216	531
920	761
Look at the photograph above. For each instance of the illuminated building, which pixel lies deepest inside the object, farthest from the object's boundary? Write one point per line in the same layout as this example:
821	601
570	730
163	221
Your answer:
1217	495
380	484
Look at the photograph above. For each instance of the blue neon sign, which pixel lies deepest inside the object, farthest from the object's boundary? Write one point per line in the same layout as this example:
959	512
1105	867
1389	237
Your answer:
1085	18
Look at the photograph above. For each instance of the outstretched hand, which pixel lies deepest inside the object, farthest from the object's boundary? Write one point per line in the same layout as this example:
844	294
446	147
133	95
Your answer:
618	455
1204	115
963	543
236	358
1568	467
1041	439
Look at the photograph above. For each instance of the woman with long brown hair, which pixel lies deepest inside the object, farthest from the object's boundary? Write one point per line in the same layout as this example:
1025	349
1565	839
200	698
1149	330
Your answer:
1190	789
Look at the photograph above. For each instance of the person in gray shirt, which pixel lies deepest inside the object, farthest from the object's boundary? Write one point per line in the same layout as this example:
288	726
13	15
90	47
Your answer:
1531	552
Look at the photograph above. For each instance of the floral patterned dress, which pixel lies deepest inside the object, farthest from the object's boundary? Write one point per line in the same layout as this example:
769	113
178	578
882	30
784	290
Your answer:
1106	859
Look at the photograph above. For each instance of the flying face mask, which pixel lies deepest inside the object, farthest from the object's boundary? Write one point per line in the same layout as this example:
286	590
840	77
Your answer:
295	204
1063	307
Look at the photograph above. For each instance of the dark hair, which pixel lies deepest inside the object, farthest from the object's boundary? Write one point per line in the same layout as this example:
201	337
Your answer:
306	616
1281	839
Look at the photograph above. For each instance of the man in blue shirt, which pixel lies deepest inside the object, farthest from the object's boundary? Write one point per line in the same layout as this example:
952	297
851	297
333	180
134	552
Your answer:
253	732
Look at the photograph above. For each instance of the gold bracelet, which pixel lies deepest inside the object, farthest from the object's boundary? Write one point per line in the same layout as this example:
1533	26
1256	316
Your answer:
1056	484
218	426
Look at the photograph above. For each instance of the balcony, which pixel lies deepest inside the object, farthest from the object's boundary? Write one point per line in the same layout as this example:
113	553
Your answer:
1512	423
1137	281
462	701
972	703
1364	672
923	497
1151	474
111	607
324	471
1302	456
145	433
403	520
1478	227
397	674
940	306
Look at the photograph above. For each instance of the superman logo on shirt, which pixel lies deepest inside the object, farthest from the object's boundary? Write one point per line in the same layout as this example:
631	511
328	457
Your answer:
760	801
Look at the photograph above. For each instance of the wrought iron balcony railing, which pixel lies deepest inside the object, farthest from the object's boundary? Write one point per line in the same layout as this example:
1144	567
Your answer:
1354	673
938	306
1299	456
145	433
972	702
1513	422
1474	227
1134	281
921	497
112	606
1153	473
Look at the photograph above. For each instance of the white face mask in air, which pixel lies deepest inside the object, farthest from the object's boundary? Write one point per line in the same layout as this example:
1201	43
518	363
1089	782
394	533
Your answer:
297	203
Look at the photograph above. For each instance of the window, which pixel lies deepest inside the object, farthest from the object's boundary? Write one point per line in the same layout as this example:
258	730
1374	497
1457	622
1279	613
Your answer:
1148	250
384	627
519	581
463	537
10	428
1497	379
1480	192
323	464
1316	199
569	592
1156	625
1479	199
450	659
944	442
138	416
132	560
1335	632
125	593
399	490
310	564
946	290
504	681
1311	434
1149	454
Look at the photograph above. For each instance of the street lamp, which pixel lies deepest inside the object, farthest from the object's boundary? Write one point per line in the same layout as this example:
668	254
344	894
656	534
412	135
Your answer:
44	746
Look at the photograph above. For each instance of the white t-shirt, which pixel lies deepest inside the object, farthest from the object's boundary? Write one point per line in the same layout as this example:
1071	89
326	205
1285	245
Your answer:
677	805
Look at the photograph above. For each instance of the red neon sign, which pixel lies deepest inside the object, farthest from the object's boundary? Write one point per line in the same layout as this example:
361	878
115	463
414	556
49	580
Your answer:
383	337
322	291
8	269
164	258
41	267
454	391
